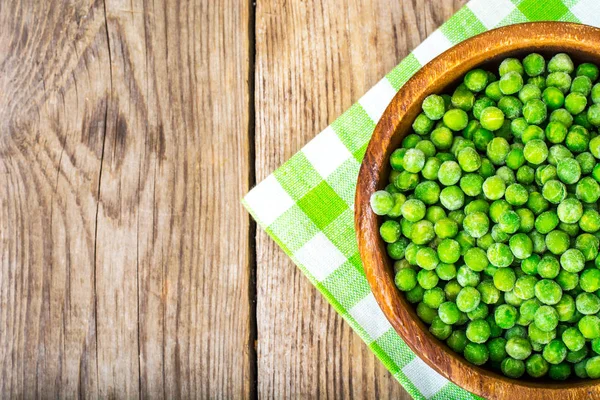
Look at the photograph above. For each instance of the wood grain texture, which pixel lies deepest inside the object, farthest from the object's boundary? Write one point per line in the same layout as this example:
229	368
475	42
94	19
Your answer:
123	142
314	59
486	50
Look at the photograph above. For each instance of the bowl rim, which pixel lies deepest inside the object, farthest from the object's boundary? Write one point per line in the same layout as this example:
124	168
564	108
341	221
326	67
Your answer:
580	40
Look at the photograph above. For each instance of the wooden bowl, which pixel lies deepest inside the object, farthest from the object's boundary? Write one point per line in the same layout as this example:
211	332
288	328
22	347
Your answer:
583	44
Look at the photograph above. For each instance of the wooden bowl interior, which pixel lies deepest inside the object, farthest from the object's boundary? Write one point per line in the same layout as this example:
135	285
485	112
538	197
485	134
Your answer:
442	75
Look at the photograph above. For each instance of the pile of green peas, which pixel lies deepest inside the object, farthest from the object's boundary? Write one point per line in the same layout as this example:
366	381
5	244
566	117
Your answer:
491	217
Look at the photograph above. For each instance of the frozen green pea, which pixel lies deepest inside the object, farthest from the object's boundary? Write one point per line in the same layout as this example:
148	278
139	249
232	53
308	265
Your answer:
413	160
588	245
469	160
559	372
427	258
478	331
396	210
434	297
381	202
525	287
446	228
494	187
534	64
586	161
480	105
434	214
456	119
497	349
569	210
511	106
445	271
489	293
500	255
439	329
537	203
536	366
390	231
528	308
427	279
442	138
507	175
518	348
573	339
554	191
415	295
426	313
549	267
411	141
525	174
422	232
428	192
590	221
545	173
434	107
457	341
406	181
497	150
535	111
555	352
589	70
476	353
560	80
521	246
518	126
577	139
594	146
563	116
509	222
449	313
476	80
567	280
427	147
457	215
493	91
397	159
413	210
556	132
515	159
589	280
422	124
553	97
546	318
516	194
589	326
492	118
529	92
557	241
406	279
587	303
532	132
452	198
575	102
512	299
539	242
530	264
510	65
448	251
539	336
471	184
396	250
465	241
581	84
535	151
467	277
546	222
592	367
463	98
593	115
505	316
468	299
476	224
548	291
431	168
561	62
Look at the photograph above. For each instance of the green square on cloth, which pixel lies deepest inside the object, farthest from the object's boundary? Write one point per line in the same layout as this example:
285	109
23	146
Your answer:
306	205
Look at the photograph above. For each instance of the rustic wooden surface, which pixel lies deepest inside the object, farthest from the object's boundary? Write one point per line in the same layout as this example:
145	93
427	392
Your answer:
129	130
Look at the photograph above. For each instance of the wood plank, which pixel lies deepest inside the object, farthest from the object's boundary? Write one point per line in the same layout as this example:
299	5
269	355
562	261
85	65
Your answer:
314	59
125	256
53	90
173	244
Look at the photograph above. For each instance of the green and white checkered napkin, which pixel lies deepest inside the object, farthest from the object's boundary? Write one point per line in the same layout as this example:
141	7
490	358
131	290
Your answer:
307	204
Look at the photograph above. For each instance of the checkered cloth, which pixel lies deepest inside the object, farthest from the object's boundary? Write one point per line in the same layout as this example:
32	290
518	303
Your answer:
307	204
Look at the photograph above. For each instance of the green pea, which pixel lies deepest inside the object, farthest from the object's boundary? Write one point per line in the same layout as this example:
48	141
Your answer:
536	366
434	107
546	318
548	267
554	191
476	224
575	102
535	151
560	80
445	271
589	280
548	292
491	119
452	198
456	119
457	341
448	251
511	65
468	299
534	64
422	124
570	210
439	329
555	352
518	348
511	106
590	221
476	353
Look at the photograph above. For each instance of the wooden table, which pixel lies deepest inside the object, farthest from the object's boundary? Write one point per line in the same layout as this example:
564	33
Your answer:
129	131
